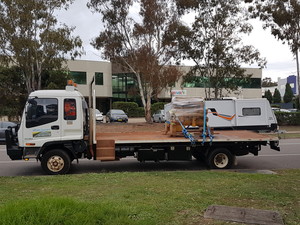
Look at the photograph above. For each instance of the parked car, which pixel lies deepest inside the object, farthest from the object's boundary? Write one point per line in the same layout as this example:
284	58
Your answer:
3	126
285	110
116	115
159	116
98	115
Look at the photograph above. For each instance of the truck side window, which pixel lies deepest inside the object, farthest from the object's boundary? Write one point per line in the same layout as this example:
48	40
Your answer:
69	109
41	111
251	111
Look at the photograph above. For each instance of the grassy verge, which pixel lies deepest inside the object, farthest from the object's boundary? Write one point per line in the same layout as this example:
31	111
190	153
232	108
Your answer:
144	197
289	135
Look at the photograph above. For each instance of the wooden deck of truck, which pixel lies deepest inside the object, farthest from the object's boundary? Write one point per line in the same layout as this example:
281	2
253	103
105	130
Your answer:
160	137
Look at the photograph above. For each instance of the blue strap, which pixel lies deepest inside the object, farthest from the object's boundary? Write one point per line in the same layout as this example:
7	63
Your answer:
186	134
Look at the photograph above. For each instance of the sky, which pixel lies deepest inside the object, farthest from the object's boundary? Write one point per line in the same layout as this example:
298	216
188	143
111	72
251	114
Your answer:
280	61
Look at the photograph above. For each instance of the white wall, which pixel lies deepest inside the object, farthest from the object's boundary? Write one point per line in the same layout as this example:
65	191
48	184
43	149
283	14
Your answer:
90	67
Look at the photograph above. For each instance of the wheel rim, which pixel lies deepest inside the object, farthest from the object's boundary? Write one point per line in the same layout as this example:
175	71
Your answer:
55	163
221	160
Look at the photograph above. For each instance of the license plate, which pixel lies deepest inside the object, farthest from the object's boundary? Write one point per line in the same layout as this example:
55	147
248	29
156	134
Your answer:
120	120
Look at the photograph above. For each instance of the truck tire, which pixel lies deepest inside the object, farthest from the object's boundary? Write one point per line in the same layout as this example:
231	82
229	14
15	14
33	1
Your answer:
55	162
220	158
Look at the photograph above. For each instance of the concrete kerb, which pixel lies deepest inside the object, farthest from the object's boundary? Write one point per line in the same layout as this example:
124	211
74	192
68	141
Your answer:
137	120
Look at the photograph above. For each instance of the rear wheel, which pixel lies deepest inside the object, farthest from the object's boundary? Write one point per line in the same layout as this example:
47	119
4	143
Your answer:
56	162
220	158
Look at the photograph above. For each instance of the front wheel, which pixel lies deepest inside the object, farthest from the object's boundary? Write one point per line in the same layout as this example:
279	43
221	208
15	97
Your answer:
220	158
56	162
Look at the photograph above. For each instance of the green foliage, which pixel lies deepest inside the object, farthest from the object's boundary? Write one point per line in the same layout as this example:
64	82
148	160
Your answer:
215	45
288	95
157	106
31	38
286	118
268	95
267	82
283	19
59	210
55	79
130	108
146	198
13	92
296	102
276	96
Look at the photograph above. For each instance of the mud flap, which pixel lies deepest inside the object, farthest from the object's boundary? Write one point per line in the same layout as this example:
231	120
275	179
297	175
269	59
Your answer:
12	148
274	145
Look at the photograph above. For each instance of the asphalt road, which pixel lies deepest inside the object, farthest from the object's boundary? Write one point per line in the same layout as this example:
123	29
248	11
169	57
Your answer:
287	158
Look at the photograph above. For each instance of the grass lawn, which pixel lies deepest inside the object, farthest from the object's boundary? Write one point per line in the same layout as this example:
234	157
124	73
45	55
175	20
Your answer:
144	197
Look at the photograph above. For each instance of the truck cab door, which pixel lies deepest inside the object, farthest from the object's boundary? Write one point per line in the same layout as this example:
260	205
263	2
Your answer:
72	121
42	122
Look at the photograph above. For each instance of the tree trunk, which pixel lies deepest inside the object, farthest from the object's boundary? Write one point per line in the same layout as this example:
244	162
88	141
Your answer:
298	76
39	75
148	109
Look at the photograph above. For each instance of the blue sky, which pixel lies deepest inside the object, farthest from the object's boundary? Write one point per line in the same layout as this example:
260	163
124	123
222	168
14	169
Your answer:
281	62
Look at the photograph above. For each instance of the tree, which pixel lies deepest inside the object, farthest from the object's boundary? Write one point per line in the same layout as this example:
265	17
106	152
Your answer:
55	79
267	82
276	96
214	44
283	17
288	94
144	44
297	105
13	88
268	95
31	39
13	91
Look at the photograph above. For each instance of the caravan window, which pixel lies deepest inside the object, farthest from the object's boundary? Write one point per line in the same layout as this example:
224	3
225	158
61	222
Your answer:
251	111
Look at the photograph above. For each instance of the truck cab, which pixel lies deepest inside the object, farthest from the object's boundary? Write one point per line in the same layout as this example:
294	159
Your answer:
52	119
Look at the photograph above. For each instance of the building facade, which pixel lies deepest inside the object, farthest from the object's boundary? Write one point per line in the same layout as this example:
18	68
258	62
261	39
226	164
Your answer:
292	80
112	84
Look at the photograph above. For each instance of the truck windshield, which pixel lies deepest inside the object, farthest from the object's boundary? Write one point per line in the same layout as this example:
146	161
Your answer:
41	111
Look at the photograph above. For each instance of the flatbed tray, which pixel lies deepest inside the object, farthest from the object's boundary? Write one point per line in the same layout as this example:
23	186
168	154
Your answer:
160	137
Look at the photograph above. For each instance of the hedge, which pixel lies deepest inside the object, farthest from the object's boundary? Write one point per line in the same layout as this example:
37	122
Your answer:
288	118
157	106
133	110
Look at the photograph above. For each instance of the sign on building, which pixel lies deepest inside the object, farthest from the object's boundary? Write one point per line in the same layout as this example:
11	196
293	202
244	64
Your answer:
178	92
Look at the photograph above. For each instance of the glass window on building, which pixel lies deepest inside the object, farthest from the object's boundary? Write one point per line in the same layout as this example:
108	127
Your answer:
124	87
201	82
78	77
99	78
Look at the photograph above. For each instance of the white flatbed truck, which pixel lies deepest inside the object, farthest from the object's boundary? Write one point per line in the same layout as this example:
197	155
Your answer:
57	127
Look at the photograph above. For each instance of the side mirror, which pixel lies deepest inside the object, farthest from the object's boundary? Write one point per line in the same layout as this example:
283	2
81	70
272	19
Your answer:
32	101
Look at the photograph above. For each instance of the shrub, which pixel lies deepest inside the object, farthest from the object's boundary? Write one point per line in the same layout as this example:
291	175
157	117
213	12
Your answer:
276	96
285	118
133	110
157	106
129	108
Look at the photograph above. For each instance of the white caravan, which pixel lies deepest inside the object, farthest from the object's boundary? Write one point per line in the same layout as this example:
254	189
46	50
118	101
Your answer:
241	114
